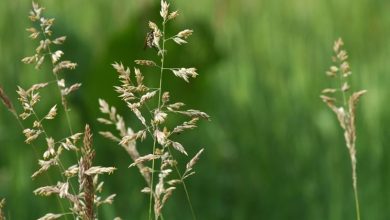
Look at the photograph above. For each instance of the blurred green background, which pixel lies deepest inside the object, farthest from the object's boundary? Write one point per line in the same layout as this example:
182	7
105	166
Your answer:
273	150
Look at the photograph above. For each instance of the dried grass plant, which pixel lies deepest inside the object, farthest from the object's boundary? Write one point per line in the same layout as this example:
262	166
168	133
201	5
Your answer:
343	103
157	166
83	199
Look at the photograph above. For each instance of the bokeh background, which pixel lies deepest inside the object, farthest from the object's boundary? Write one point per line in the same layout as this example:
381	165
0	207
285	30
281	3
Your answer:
273	150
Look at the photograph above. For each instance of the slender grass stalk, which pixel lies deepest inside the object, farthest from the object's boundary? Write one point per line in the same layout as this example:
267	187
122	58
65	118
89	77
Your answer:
185	191
159	108
355	192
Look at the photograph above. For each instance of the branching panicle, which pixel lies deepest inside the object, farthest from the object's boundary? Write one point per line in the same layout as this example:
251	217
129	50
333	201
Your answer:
82	203
344	109
44	51
138	97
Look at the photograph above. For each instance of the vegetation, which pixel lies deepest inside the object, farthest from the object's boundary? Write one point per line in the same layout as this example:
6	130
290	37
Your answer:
272	150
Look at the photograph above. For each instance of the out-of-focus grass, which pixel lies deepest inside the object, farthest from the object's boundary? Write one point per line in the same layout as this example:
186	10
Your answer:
273	150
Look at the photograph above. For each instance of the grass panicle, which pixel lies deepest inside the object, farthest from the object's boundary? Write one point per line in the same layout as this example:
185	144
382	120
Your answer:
156	167
343	103
84	201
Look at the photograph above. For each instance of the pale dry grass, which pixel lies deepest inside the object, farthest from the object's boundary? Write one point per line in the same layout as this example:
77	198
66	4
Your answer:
344	106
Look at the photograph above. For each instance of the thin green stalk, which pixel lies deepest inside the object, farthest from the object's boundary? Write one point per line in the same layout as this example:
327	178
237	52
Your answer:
151	183
355	192
188	196
185	189
158	107
162	65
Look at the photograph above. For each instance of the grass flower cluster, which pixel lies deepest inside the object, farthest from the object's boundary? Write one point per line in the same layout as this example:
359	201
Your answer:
157	166
343	103
83	199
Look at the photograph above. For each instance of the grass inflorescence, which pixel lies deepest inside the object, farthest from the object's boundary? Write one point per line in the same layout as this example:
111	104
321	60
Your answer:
343	103
157	166
83	198
78	183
